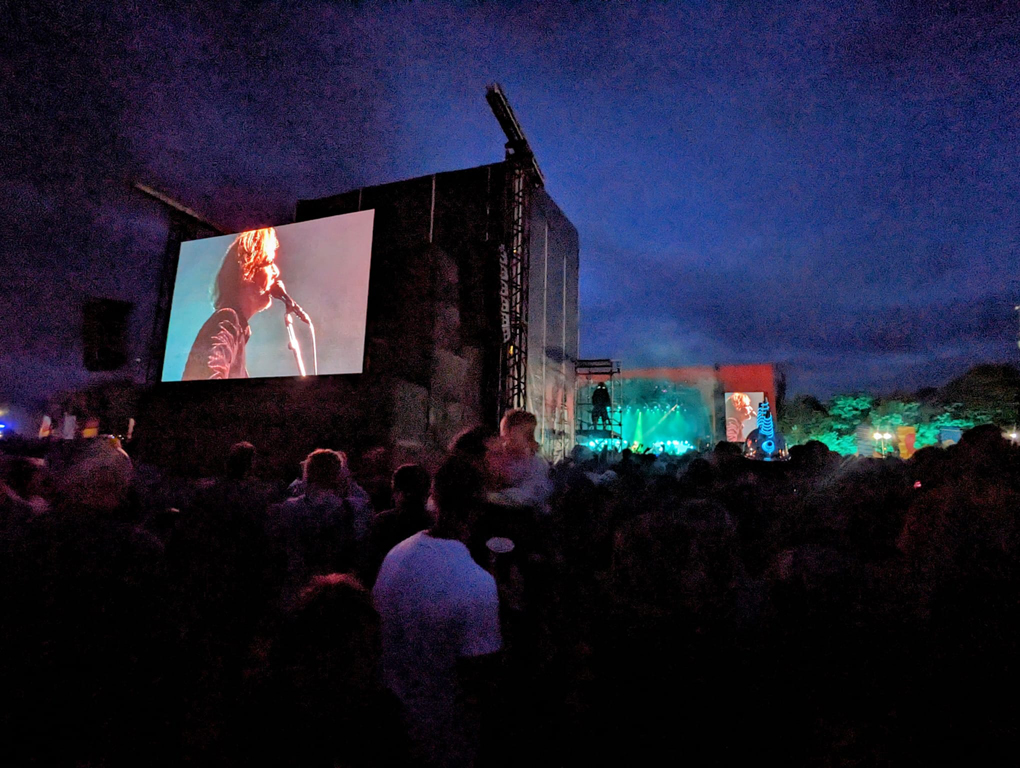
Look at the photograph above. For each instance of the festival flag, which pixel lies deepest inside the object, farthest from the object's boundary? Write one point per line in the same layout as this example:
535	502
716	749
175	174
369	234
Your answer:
949	436
70	427
46	428
906	437
91	428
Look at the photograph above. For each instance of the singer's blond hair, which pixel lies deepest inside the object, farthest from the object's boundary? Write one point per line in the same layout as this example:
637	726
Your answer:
249	252
256	249
740	400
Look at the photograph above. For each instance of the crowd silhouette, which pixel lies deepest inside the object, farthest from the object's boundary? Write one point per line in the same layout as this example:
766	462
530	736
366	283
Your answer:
698	609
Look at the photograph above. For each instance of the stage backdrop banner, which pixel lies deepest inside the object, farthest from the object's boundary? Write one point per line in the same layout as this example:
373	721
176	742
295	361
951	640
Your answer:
742	414
324	264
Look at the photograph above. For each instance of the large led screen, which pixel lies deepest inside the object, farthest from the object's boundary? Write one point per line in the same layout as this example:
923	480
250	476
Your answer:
232	294
742	414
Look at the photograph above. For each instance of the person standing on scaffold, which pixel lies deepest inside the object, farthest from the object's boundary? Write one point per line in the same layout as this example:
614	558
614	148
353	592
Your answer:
600	405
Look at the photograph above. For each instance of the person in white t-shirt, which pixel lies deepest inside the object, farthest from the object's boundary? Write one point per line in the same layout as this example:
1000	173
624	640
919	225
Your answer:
440	623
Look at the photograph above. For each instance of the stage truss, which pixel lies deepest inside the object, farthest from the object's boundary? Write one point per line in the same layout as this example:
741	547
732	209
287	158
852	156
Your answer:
522	178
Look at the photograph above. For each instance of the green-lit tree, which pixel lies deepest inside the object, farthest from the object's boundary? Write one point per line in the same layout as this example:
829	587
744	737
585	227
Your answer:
987	394
847	411
802	415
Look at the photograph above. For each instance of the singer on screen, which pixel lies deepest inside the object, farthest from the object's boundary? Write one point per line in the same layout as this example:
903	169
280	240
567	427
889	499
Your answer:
241	290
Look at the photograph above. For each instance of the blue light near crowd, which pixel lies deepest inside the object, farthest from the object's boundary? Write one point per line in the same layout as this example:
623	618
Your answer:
668	447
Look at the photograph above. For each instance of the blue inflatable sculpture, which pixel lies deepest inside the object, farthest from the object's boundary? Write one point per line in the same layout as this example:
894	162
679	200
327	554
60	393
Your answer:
765	443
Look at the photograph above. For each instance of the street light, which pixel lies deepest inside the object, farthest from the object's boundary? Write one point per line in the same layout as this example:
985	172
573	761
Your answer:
882	438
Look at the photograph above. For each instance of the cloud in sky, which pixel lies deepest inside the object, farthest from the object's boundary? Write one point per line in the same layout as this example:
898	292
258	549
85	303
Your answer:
828	187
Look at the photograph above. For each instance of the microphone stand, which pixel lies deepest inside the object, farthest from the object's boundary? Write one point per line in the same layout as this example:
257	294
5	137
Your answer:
292	342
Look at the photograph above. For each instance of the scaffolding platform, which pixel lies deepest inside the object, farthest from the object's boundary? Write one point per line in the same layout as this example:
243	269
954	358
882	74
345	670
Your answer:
589	374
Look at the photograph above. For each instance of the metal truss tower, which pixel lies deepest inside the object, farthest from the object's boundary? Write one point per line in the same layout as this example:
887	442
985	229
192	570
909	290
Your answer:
522	178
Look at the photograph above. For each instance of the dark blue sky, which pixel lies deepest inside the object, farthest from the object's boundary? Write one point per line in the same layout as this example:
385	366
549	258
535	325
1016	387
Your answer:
828	188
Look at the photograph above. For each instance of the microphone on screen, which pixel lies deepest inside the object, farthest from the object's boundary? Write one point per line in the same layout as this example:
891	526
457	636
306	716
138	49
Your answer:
278	291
